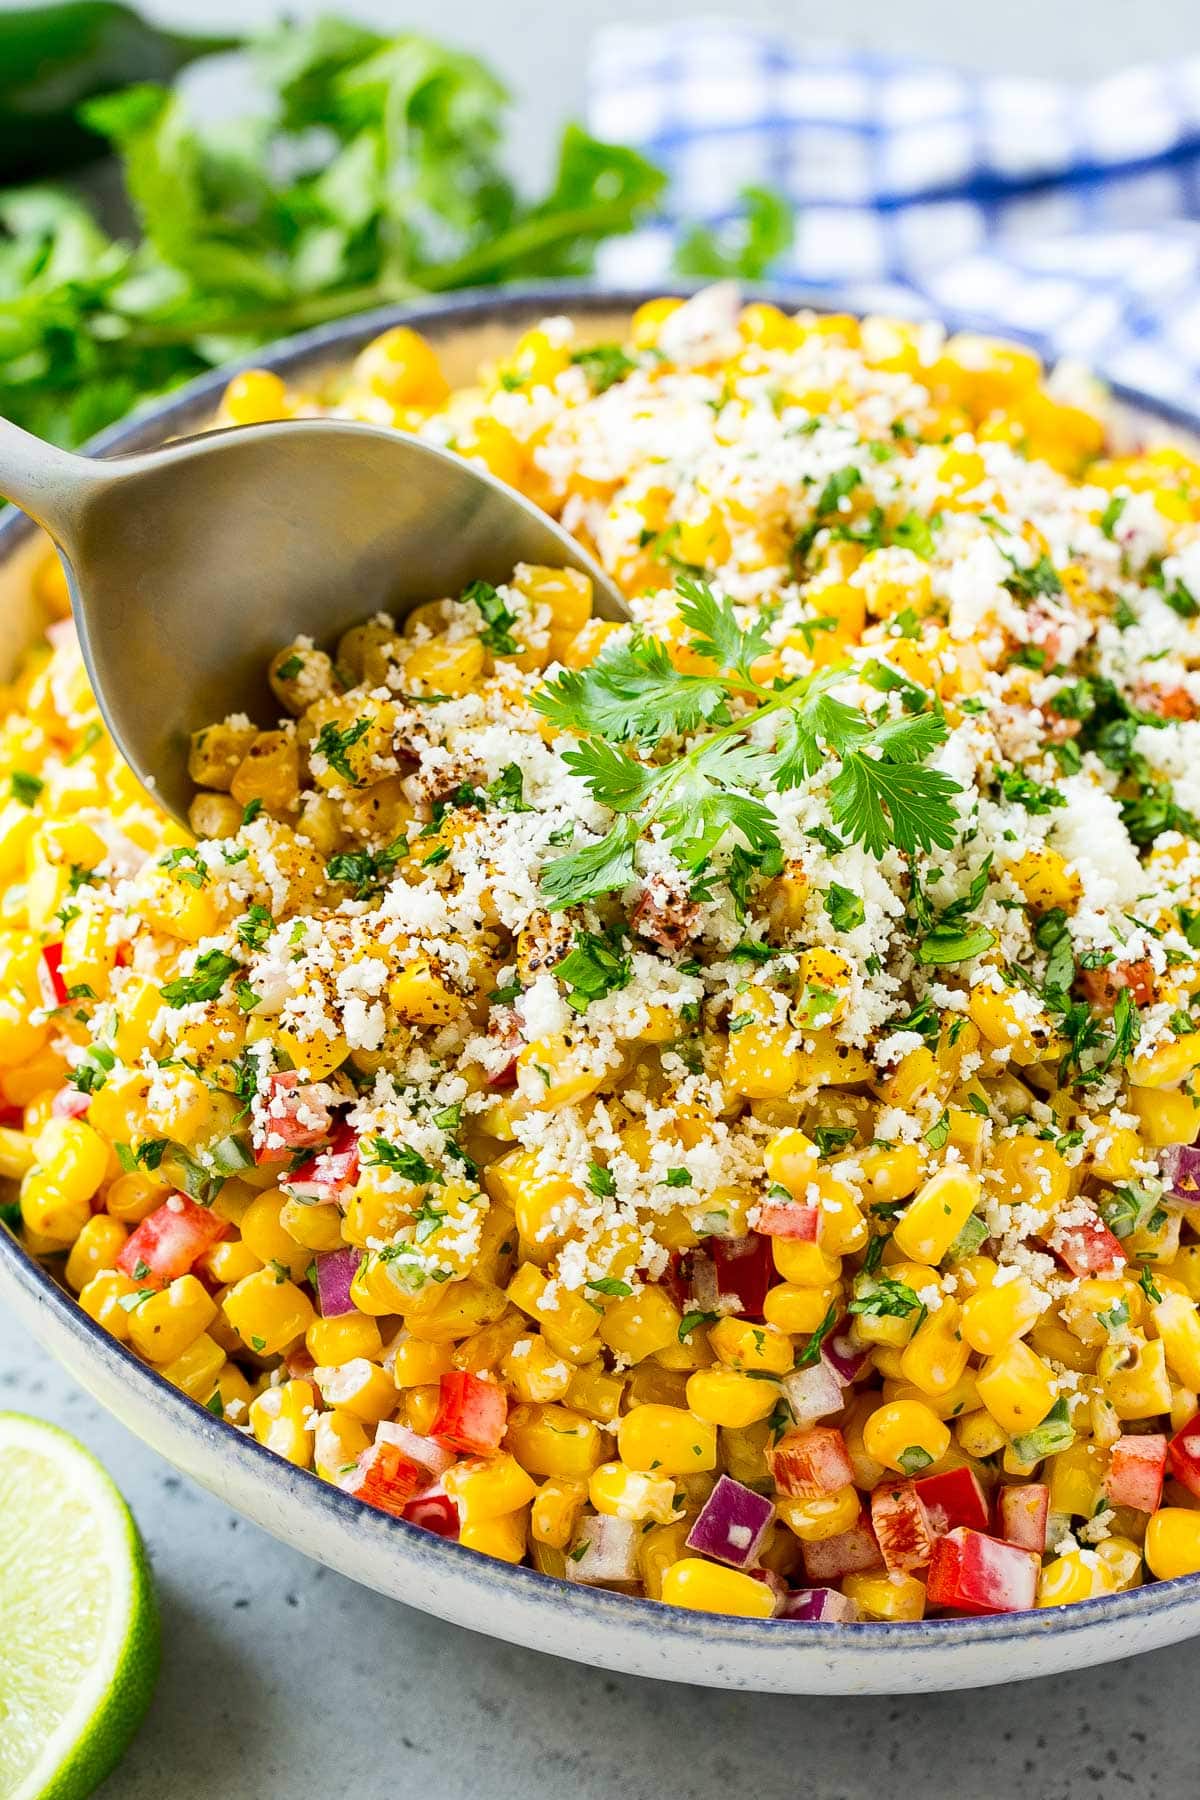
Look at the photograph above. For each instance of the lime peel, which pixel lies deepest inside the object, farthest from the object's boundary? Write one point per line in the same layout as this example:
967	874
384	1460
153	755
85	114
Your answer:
79	1629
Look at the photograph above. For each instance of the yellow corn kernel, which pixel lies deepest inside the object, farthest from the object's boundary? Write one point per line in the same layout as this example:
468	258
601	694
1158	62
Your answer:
338	1440
592	1390
264	1233
75	1154
824	1062
937	1354
929	1225
728	1397
891	1174
1178	1325
332	1342
1031	1172
842	1228
268	1314
1168	1064
421	1407
196	1369
97	1247
420	996
163	1325
416	1364
568	1322
979	1435
359	1387
549	1076
648	321
823	1516
555	1441
1134	1374
47	1213
914	1075
1165	1115
626	1493
638	1325
1046	881
759	1064
993	1317
101	1300
1173	1542
504	1538
1017	1388
739	1344
1003	1021
963	1397
886	1597
807	1265
667	1438
229	1262
313	1227
533	1371
1115	1152
706	1587
542	1205
796	1309
489	1487
1076	1479
401	368
459	1309
659	1549
230	1394
446	668
791	1159
254	397
555	1512
1071	1578
906	1436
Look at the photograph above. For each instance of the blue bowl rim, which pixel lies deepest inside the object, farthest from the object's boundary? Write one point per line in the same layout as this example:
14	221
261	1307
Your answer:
185	409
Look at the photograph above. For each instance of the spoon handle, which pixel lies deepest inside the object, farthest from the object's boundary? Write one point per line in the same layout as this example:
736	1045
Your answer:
51	485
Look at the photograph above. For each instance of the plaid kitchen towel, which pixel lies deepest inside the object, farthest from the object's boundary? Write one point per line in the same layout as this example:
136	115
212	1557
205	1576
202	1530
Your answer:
1070	215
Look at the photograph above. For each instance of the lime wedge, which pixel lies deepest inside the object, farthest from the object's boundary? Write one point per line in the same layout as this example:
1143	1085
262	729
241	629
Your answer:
78	1622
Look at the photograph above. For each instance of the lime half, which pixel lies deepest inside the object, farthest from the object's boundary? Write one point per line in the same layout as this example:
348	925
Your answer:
78	1622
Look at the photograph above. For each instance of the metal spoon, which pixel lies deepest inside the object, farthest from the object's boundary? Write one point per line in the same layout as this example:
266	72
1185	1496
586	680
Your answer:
191	565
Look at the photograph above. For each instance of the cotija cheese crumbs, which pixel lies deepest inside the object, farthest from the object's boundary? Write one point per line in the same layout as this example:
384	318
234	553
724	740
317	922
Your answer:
704	1108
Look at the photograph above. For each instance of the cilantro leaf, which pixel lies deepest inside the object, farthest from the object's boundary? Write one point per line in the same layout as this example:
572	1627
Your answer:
632	690
714	627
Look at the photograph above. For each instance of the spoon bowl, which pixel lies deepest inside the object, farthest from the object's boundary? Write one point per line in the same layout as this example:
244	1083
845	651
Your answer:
190	566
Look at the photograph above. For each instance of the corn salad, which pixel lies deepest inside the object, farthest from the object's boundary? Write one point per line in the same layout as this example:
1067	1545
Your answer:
705	1110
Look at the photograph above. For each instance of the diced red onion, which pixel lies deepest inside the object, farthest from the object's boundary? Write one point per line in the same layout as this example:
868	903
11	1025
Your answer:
605	1549
732	1524
820	1604
706	1291
813	1393
70	1103
433	1510
426	1452
336	1269
1180	1165
844	1357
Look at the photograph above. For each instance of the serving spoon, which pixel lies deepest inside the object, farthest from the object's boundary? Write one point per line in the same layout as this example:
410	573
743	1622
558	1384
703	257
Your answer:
190	566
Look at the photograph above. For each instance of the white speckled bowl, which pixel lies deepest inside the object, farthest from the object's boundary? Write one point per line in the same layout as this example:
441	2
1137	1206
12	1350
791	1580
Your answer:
587	1624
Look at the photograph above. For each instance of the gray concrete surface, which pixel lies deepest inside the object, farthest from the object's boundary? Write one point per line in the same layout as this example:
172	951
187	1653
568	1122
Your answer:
283	1681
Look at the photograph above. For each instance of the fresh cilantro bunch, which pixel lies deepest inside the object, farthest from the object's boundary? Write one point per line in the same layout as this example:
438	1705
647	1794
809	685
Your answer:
371	175
881	795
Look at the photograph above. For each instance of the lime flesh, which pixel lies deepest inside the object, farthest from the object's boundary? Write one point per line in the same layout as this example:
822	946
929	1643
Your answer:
79	1636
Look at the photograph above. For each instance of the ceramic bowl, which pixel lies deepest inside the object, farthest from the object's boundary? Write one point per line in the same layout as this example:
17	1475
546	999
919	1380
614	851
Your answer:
589	1625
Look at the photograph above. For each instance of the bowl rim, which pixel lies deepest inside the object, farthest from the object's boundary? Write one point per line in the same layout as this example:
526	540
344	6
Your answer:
412	1544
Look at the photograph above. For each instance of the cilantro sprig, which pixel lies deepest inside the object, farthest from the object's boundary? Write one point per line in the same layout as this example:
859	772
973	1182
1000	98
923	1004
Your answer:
881	796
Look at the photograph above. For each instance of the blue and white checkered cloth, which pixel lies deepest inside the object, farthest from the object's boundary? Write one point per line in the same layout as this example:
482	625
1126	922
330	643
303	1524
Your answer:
1070	215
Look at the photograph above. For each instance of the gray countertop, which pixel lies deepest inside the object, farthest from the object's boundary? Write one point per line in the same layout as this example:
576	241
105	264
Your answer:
282	1680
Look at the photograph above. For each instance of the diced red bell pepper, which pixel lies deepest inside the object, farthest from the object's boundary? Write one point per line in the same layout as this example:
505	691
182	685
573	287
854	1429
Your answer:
902	1527
810	1463
70	1103
1183	1455
1023	1514
169	1240
1089	1247
974	1573
12	1116
385	1478
330	1175
953	1498
434	1511
851	1552
1137	1467
51	985
678	1279
745	1271
471	1414
788	1219
291	1116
